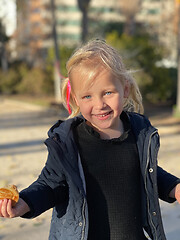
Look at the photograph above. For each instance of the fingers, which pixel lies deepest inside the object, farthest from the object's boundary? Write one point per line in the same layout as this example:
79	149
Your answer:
178	198
10	209
6	210
1	201
177	192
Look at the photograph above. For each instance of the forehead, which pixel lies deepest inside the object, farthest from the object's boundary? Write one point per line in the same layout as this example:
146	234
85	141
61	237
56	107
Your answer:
85	78
86	73
101	81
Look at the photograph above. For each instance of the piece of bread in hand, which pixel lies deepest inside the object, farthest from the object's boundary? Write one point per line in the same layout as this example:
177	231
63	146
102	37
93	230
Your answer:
10	192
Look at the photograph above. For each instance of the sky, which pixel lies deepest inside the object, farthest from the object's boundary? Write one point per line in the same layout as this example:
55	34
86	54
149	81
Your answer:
8	15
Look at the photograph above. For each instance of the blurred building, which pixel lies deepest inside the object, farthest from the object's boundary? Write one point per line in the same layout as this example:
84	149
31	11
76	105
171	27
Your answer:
34	23
159	18
33	36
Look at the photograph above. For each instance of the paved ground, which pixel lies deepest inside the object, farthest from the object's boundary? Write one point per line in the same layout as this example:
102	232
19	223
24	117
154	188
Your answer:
23	129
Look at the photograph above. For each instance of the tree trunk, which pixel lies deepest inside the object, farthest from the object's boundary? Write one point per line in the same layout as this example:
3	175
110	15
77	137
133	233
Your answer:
178	61
57	75
130	26
4	61
84	25
83	6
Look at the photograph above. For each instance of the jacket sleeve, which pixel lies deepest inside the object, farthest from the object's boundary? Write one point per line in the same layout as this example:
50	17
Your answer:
166	182
47	191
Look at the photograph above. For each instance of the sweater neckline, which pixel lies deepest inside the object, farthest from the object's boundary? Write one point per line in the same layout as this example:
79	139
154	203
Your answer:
93	133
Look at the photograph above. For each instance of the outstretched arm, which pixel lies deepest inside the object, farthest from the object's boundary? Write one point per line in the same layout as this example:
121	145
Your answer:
166	183
175	193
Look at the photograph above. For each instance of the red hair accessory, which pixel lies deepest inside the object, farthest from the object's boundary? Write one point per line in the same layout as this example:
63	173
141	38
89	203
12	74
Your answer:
68	93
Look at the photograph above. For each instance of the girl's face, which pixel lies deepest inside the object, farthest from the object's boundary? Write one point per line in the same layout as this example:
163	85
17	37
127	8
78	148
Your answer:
100	101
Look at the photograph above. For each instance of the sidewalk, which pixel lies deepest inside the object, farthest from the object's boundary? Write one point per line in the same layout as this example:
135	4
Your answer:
23	129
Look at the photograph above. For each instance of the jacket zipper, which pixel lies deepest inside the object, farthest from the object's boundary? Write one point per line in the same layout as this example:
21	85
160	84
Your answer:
84	219
150	138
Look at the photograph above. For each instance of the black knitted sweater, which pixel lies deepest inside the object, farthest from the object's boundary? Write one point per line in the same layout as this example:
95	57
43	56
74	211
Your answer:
112	174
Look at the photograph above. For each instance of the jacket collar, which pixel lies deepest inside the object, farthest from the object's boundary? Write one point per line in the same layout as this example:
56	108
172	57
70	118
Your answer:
140	125
64	128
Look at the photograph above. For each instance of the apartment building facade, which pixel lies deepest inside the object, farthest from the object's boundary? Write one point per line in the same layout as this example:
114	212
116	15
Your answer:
34	22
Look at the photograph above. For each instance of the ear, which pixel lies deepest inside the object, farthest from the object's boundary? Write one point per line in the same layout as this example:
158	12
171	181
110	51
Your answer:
126	89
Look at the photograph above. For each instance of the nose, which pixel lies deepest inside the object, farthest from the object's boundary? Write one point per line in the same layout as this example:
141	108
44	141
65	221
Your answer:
100	103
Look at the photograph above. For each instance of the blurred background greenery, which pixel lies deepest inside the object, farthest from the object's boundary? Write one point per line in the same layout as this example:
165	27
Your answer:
47	32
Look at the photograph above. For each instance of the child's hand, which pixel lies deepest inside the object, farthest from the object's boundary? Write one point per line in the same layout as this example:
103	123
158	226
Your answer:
177	192
7	211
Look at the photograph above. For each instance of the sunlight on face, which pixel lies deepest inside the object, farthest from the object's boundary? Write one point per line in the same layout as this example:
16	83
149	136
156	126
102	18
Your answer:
100	99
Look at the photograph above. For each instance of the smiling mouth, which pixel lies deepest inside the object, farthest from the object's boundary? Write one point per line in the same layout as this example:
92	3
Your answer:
103	115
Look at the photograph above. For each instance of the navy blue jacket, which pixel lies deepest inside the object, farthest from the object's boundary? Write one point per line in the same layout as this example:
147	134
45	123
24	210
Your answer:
62	185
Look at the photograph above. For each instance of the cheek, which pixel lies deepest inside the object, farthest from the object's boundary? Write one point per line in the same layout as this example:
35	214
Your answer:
118	105
85	108
118	102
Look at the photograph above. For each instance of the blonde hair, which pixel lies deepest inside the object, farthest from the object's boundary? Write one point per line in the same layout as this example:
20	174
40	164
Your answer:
88	59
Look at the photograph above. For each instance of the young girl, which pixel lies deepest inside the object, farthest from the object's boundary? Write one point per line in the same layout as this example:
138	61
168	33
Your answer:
101	176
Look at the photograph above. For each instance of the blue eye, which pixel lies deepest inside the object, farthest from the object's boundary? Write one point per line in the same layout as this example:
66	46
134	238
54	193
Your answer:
87	97
108	93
